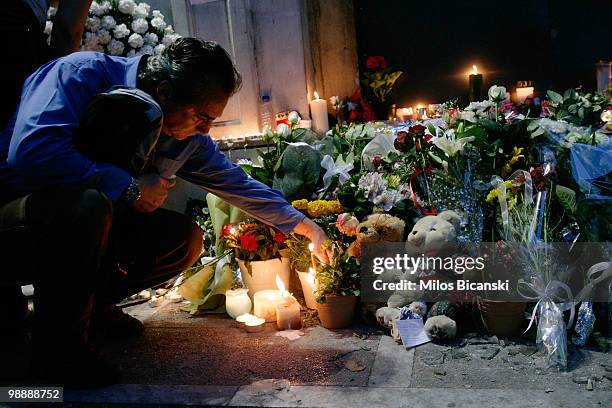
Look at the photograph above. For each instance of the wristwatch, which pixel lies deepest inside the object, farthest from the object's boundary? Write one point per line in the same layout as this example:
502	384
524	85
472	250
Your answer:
132	192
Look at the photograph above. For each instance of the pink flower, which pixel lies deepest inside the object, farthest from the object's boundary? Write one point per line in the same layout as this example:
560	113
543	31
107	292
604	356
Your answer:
347	224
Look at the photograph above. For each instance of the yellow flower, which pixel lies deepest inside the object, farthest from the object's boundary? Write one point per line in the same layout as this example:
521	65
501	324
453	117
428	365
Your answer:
334	207
492	196
514	158
317	208
300	204
393	181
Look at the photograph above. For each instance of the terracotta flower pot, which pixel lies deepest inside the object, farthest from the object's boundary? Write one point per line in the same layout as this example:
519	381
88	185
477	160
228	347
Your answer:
264	274
337	312
502	318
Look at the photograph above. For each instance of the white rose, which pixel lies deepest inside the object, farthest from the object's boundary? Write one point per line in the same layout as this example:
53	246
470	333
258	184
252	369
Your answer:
131	53
283	130
267	134
115	47
157	14
294	118
121	31
51	12
142	10
151	39
94	8
158	23
147	49
497	93
135	40
140	26
169	29
127	6
606	116
470	116
103	8
108	22
48	27
93	24
104	36
169	39
159	48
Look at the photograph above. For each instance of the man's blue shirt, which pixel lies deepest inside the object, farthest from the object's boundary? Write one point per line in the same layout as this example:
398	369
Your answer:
37	149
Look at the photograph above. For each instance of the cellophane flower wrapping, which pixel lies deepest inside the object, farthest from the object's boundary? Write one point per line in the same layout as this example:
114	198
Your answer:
551	335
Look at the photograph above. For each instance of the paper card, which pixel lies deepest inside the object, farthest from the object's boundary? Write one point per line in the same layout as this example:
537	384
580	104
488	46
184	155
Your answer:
412	332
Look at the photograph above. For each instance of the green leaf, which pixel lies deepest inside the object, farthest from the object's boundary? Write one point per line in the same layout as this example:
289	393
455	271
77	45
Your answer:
537	133
533	125
554	97
567	198
435	158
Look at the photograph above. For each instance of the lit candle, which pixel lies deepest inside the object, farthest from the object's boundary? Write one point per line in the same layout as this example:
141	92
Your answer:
243	318
237	302
475	85
288	311
312	256
308	287
254	325
405	114
318	114
265	302
524	89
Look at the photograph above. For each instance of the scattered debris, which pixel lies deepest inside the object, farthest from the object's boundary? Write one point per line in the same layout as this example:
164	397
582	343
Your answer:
468	386
161	292
528	350
513	352
549	390
360	336
354	365
155	301
270	386
490	353
580	380
589	386
433	358
290	334
440	372
458	354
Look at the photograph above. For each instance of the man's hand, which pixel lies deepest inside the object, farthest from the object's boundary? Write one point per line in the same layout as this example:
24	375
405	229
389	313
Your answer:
316	235
153	192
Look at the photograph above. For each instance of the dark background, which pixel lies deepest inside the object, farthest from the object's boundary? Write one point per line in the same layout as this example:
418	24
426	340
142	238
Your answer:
553	43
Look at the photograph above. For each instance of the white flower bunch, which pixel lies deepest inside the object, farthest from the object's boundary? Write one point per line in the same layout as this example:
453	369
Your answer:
375	188
142	30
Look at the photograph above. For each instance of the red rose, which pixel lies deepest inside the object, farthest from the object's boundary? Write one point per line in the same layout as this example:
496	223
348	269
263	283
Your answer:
403	142
354	116
382	63
367	112
417	129
279	237
372	62
427	138
376	161
226	230
248	242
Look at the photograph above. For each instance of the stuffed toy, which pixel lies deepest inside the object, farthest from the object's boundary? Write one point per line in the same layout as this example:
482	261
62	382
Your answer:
440	328
377	227
434	235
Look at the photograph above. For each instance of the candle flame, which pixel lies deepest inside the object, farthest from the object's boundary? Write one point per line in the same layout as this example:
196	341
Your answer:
475	68
232	230
316	95
281	286
311	247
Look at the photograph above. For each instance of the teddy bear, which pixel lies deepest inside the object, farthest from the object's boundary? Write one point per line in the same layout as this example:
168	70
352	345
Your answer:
434	235
377	227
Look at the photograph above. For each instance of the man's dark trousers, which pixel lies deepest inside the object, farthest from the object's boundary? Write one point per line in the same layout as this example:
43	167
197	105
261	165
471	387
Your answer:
80	250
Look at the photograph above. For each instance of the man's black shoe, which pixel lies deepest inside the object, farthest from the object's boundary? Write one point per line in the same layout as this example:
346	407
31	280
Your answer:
115	324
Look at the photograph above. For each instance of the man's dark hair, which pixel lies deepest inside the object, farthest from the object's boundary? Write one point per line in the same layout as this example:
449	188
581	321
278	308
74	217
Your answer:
195	68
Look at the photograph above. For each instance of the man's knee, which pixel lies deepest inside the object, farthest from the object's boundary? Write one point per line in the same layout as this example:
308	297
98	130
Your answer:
193	243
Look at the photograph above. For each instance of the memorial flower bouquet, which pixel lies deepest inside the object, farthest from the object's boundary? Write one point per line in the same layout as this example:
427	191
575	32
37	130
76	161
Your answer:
254	241
123	28
379	78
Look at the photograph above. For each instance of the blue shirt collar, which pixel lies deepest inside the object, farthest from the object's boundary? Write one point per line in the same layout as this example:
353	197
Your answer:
131	73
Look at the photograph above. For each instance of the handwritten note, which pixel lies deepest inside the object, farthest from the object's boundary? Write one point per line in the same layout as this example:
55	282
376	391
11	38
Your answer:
412	332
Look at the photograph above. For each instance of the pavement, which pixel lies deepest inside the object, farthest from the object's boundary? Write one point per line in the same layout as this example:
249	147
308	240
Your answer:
209	361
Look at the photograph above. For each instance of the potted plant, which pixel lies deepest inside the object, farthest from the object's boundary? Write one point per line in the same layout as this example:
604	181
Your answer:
337	287
261	253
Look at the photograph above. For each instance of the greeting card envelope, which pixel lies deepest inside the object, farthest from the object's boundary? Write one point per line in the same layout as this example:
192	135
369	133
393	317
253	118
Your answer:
412	332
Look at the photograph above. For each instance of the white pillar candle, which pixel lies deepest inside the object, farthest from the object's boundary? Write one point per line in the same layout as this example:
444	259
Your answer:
237	302
523	93
318	114
288	314
254	325
265	302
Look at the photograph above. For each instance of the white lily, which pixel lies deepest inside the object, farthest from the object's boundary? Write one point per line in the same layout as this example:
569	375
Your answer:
449	143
